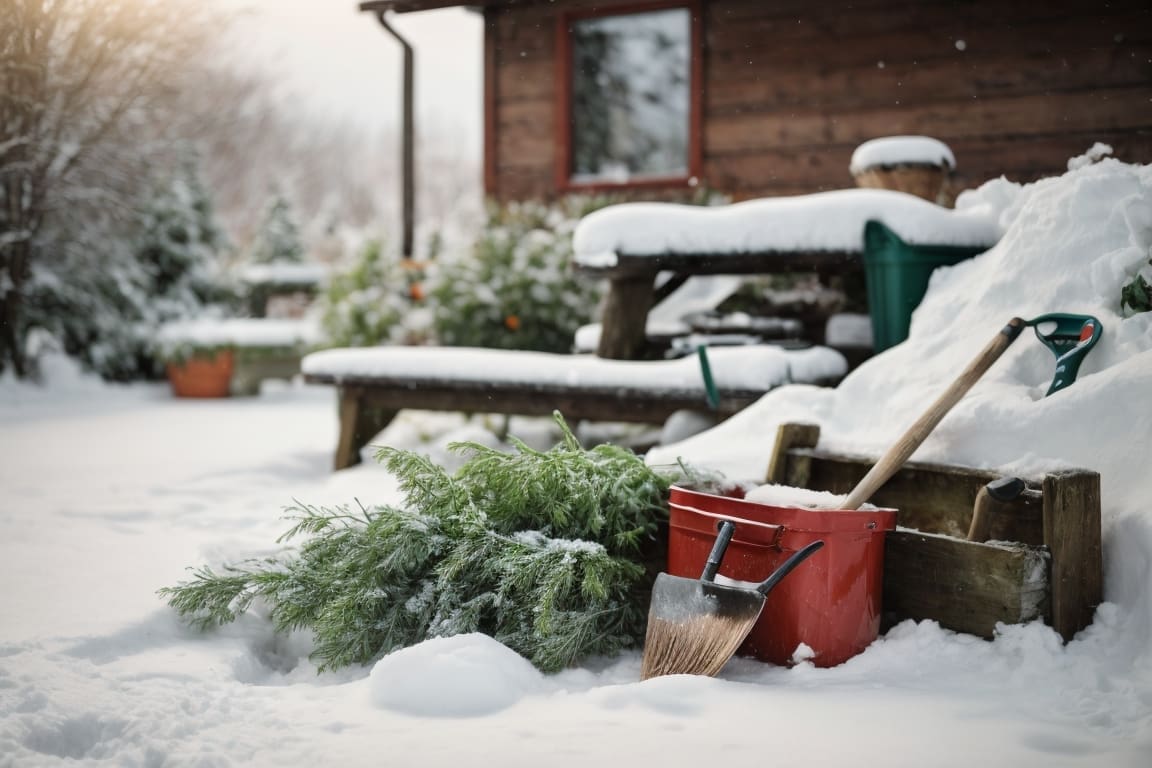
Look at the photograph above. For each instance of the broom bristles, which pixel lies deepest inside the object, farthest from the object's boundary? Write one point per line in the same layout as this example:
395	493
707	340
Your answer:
701	645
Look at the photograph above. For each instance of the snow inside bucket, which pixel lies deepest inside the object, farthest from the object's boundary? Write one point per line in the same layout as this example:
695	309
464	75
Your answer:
830	603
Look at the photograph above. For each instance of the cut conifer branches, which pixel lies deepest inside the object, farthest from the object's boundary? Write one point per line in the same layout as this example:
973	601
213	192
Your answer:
549	552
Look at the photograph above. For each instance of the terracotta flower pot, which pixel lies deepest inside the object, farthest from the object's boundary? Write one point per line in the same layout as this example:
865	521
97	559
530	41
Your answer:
202	376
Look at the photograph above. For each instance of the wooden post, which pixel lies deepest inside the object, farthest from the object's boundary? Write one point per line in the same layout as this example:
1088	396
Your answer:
624	322
1072	535
790	436
359	423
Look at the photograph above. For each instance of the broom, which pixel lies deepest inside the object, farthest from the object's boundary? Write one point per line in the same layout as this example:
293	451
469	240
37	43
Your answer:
694	626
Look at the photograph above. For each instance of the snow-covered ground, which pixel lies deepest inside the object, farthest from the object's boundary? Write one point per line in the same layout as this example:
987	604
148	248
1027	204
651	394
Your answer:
109	493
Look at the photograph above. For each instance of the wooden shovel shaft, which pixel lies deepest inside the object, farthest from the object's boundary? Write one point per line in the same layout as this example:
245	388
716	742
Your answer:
895	457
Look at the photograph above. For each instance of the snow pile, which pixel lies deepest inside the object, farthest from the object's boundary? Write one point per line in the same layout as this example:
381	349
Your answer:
462	676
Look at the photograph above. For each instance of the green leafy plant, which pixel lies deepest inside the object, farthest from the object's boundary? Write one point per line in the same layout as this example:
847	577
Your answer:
1136	295
366	304
549	552
517	289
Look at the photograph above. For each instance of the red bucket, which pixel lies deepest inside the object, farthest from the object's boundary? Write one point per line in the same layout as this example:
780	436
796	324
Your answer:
831	602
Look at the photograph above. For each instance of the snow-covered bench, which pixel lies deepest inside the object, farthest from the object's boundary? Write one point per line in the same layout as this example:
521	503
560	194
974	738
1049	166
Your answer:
375	383
631	243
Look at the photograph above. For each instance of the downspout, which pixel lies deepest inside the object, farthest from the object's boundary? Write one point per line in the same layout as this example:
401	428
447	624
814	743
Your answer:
407	148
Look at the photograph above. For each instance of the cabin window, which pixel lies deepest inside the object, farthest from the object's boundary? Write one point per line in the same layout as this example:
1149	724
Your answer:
628	111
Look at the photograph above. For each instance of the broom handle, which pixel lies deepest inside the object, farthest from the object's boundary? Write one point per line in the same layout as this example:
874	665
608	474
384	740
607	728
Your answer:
727	528
918	432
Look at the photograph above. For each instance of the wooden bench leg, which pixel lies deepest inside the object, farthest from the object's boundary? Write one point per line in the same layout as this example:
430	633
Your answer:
359	423
625	319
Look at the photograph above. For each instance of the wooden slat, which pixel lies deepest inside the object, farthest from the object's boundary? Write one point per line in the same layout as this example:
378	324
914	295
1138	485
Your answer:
1072	534
733	88
367	405
935	498
965	586
765	263
1036	114
789	436
922	37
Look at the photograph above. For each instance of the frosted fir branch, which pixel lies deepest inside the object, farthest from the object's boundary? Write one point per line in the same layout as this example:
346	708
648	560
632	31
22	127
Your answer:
311	520
212	599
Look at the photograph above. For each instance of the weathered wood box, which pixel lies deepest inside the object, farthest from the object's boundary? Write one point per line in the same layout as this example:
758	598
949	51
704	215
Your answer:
1042	559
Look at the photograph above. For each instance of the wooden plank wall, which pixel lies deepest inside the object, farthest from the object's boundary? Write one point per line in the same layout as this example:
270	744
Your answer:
792	87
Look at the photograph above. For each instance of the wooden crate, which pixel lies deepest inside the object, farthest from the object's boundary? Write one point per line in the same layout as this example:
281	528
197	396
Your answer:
1042	559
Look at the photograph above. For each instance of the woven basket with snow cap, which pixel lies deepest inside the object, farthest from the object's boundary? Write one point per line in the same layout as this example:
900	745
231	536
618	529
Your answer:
918	165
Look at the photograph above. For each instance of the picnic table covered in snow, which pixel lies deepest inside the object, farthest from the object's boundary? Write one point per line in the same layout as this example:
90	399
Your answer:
632	243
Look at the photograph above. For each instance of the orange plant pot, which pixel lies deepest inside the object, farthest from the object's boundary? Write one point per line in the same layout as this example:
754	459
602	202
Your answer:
202	376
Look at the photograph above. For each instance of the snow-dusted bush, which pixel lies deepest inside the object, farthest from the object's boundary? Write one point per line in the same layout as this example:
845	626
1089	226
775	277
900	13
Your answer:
106	311
367	303
516	289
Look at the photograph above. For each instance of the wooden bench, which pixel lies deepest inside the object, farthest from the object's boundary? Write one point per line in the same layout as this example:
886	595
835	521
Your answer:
374	384
630	244
1042	559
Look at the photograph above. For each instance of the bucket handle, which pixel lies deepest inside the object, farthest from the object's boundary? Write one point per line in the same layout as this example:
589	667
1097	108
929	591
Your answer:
777	530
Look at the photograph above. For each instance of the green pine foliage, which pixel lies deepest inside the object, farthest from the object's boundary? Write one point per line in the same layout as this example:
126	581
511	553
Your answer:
546	551
517	289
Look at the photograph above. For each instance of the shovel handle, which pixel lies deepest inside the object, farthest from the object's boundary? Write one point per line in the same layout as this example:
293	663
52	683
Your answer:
797	557
727	528
895	457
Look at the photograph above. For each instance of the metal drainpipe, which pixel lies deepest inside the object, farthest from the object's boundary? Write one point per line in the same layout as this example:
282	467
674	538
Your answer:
407	149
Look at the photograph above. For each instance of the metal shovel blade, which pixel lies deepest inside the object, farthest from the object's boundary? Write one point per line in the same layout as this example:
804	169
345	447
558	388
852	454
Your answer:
695	626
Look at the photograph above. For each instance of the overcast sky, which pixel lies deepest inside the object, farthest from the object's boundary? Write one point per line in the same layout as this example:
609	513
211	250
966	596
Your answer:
342	61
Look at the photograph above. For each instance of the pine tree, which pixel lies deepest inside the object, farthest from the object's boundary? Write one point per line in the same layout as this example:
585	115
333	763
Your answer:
278	238
178	248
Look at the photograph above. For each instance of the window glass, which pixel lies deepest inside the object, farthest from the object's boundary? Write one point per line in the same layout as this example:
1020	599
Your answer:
630	101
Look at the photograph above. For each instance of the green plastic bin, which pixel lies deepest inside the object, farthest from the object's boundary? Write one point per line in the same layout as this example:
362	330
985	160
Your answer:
897	277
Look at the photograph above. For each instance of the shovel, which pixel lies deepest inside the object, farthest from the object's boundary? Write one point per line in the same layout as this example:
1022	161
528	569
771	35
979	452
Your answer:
1070	337
894	458
694	626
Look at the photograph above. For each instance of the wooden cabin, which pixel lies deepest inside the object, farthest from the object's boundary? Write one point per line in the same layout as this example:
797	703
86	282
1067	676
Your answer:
770	97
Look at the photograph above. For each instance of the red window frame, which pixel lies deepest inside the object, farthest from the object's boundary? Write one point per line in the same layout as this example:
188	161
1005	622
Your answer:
563	132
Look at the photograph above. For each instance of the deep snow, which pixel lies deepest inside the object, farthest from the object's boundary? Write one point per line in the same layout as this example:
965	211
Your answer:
108	493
